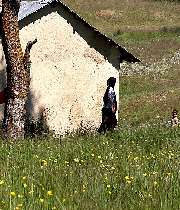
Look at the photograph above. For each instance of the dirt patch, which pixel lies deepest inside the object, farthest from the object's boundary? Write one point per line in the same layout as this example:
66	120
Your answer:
105	13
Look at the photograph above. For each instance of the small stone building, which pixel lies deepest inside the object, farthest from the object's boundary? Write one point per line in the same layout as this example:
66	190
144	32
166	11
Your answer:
71	63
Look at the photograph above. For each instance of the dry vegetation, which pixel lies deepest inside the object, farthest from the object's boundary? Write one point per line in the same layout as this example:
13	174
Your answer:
136	167
134	25
151	31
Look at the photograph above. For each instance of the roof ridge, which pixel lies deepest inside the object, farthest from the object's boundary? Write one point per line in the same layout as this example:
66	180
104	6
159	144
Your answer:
29	7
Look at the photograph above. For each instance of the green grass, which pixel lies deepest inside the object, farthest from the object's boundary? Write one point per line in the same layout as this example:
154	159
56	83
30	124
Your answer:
149	98
145	36
148	29
129	169
134	168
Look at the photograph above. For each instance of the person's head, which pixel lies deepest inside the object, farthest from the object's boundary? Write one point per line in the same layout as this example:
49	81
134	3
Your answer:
174	113
111	82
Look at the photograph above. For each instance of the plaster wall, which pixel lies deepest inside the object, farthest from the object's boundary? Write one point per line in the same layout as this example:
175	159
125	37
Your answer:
68	77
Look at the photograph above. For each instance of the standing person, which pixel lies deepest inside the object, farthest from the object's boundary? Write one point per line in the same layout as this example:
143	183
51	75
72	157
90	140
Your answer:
109	109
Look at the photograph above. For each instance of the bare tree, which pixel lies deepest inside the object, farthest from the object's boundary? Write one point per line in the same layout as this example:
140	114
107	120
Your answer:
18	75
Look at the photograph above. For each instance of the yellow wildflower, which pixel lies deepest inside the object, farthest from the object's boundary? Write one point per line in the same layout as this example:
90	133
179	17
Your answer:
41	200
155	183
20	205
128	181
108	186
154	172
13	194
31	192
20	196
24	185
126	177
76	160
1	182
145	174
43	163
49	193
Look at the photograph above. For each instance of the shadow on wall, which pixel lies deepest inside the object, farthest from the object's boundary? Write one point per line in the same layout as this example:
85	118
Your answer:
2	79
35	127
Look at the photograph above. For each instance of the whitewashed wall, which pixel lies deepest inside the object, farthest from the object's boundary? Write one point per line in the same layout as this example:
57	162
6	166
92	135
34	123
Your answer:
68	78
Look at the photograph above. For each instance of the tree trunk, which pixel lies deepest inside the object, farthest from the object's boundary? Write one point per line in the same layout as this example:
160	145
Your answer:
18	76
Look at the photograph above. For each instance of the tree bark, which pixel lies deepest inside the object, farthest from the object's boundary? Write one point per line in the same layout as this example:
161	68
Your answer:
18	75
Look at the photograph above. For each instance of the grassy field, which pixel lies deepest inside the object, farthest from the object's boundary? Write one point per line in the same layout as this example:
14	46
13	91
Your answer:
137	166
129	169
149	29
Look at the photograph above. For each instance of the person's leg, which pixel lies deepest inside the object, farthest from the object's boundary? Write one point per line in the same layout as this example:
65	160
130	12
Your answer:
105	124
101	128
114	121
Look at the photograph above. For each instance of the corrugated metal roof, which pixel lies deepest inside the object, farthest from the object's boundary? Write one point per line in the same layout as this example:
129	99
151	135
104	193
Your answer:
29	7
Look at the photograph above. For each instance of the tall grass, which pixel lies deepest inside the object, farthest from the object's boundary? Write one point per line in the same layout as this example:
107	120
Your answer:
134	168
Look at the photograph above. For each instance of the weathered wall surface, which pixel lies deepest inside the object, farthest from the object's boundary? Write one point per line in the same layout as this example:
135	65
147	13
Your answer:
68	78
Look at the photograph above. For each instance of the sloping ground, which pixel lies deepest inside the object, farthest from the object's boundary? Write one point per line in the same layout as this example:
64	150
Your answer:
160	68
148	90
151	31
148	33
131	15
149	93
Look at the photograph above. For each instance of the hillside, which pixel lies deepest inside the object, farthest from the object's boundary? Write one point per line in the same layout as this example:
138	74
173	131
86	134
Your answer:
149	90
136	167
148	33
